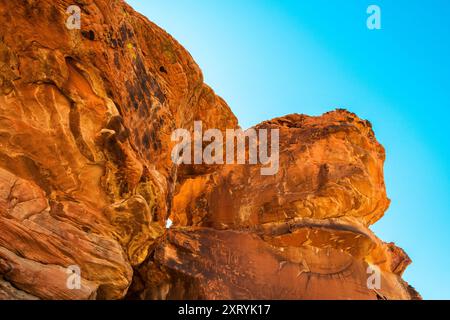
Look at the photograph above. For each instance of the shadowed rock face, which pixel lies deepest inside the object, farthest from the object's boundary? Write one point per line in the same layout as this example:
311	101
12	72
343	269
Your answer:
86	177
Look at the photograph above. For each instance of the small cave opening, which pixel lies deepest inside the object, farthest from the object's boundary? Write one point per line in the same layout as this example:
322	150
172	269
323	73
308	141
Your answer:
162	69
88	34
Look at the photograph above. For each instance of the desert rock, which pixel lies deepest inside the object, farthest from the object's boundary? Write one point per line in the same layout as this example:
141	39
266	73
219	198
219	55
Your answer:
87	180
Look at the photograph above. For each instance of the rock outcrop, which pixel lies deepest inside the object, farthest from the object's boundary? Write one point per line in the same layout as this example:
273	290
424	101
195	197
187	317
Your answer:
87	179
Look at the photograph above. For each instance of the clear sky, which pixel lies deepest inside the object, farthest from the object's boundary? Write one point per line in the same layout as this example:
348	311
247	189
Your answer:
268	58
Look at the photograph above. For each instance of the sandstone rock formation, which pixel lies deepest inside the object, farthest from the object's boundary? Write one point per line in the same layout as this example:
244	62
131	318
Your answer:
86	177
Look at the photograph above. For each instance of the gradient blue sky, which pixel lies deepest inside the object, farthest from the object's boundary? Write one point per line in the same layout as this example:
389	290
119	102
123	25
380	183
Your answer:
271	58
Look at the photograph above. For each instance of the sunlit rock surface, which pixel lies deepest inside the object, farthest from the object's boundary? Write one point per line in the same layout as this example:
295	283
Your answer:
87	180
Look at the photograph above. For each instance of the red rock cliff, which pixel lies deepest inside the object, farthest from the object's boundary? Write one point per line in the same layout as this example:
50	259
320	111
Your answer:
86	177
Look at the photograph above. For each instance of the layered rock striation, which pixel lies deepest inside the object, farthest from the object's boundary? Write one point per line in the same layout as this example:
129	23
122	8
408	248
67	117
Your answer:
87	179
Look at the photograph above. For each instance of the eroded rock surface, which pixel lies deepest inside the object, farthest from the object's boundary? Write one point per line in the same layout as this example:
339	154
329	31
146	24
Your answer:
86	177
300	234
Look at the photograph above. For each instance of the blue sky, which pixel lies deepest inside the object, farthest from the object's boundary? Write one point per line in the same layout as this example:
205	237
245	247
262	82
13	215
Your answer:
268	58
